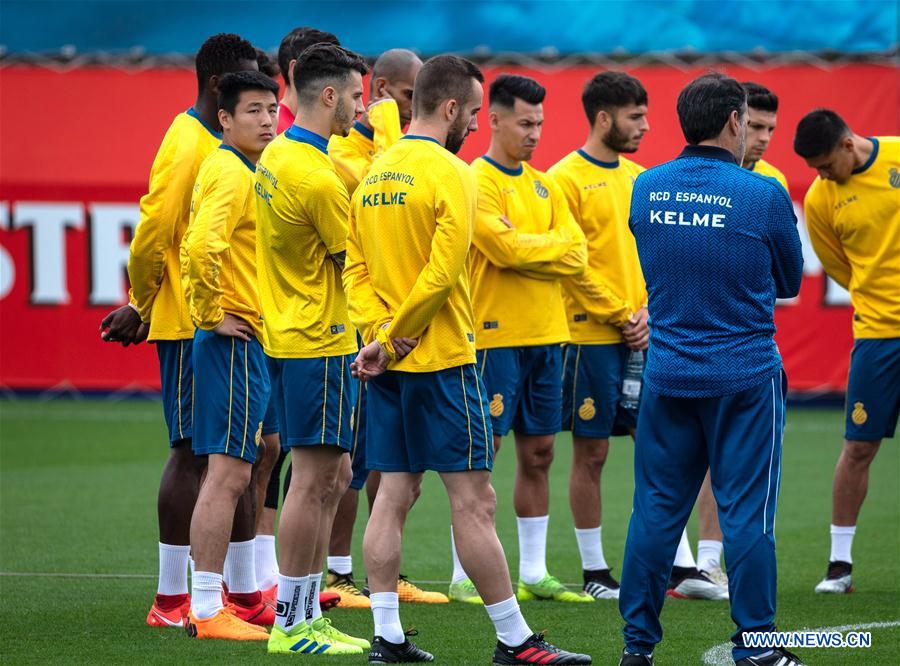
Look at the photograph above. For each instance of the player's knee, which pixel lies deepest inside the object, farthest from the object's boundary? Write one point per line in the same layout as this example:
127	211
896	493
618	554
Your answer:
590	460
234	481
539	458
477	506
859	453
342	482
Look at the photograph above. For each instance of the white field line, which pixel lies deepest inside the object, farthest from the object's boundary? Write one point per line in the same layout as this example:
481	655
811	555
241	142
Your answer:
84	574
720	655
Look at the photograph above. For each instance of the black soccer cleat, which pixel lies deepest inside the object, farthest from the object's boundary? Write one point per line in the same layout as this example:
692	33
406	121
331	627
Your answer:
536	650
600	584
634	659
776	657
407	652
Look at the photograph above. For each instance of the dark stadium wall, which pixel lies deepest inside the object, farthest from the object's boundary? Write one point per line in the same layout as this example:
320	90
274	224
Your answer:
68	201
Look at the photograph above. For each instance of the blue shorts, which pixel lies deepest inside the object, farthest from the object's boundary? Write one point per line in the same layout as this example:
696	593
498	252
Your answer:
316	399
358	450
429	421
524	388
270	420
592	388
176	379
232	389
873	390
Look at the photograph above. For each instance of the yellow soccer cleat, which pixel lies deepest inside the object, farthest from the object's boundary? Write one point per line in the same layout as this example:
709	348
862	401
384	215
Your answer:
303	639
465	592
409	593
323	626
224	625
549	587
343	585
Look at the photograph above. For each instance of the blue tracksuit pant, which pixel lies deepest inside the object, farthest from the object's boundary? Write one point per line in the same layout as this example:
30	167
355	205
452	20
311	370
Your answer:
738	437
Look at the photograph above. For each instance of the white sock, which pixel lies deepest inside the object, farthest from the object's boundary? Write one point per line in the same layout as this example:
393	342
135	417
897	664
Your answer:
684	557
240	567
590	546
512	629
709	554
386	613
459	573
841	543
173	568
341	564
206	594
313	608
291	606
266	561
532	548
191	567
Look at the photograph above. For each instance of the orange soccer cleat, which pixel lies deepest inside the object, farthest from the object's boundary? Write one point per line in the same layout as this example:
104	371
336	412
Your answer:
252	608
224	625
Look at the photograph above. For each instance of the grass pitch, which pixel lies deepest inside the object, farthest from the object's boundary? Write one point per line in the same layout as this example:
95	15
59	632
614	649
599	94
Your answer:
78	484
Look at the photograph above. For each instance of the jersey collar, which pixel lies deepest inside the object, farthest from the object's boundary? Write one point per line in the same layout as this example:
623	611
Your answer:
503	169
419	137
709	152
250	165
365	131
196	116
297	133
872	157
599	163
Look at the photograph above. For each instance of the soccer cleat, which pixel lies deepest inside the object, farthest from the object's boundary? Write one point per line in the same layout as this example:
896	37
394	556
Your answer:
172	617
776	657
259	612
385	652
688	583
600	584
224	625
716	575
303	639
328	600
323	626
536	650
343	586
837	580
635	659
270	596
549	587
410	593
465	592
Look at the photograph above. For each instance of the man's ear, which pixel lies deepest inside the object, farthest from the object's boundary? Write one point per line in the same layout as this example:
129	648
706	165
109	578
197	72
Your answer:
451	109
224	118
328	96
213	84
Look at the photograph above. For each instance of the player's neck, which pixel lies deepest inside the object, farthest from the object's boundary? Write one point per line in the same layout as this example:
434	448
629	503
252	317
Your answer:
251	156
862	150
423	127
503	159
724	142
315	120
208	112
595	147
290	100
749	164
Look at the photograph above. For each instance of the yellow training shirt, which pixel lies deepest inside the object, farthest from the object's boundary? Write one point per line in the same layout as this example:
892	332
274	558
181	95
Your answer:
516	292
763	168
303	207
855	230
353	154
603	299
411	223
218	252
153	264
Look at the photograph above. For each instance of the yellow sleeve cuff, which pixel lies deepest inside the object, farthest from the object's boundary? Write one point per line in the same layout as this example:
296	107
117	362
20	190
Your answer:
381	337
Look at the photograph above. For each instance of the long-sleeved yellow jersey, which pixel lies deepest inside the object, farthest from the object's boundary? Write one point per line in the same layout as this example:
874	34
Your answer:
612	288
218	251
411	222
763	168
515	271
303	207
353	154
153	264
855	230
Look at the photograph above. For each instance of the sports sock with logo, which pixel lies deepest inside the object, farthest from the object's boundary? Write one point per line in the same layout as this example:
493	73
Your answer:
291	606
313	608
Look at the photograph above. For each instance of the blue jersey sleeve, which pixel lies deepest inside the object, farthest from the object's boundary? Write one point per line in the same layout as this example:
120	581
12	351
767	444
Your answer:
784	242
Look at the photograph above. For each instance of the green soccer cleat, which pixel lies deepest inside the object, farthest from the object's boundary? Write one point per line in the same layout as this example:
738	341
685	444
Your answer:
549	587
303	639
323	626
465	592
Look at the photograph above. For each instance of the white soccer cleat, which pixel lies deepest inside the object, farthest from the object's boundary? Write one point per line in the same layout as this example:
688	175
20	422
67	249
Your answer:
838	579
716	575
688	583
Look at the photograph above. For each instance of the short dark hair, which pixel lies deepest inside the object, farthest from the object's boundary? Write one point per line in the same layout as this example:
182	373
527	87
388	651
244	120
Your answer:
705	104
221	54
819	132
611	90
507	88
441	78
325	62
266	65
297	41
232	85
760	98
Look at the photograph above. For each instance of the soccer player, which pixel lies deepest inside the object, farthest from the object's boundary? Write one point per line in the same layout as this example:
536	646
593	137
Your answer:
157	307
292	45
853	219
762	107
411	223
606	309
390	109
525	239
717	245
218	267
309	340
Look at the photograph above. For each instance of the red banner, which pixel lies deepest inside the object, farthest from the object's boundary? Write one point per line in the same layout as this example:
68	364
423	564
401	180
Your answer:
71	176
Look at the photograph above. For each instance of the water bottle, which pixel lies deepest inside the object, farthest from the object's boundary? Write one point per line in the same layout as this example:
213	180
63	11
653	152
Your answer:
631	382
